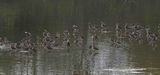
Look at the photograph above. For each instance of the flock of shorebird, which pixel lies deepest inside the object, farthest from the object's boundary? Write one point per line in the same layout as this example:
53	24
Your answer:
131	32
48	41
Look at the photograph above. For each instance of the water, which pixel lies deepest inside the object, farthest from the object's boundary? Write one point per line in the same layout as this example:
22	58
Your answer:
18	16
108	60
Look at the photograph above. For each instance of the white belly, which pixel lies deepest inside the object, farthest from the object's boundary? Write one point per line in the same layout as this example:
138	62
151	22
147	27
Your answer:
2	46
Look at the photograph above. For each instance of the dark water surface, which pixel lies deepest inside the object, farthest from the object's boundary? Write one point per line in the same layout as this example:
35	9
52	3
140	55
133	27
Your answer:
18	16
128	59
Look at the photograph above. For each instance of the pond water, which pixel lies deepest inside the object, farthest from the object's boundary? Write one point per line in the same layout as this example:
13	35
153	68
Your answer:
130	58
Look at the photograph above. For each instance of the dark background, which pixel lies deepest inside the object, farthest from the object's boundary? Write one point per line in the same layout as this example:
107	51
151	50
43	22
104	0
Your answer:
18	16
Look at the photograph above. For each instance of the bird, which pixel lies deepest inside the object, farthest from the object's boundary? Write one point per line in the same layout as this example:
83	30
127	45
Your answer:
18	45
94	39
49	47
93	47
152	38
66	43
13	46
28	34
